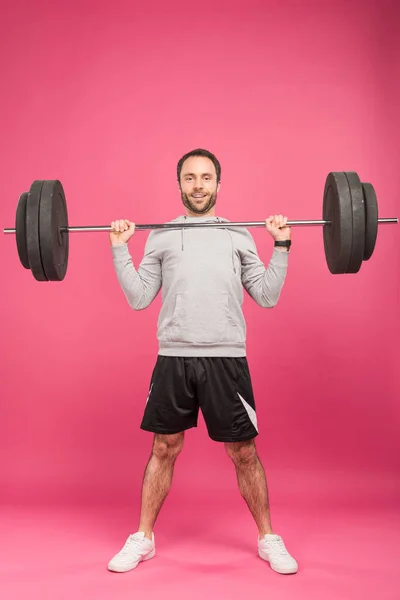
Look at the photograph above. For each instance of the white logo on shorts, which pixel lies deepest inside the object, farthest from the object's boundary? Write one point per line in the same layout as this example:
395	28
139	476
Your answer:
149	393
250	411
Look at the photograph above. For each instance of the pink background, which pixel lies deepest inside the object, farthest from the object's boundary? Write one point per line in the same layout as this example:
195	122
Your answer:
106	96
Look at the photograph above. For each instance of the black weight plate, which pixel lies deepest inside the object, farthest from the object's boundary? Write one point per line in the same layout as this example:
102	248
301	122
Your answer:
337	208
20	230
371	219
358	219
54	243
32	231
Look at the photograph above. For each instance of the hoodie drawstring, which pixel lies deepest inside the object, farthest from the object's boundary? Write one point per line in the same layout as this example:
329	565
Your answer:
232	251
182	234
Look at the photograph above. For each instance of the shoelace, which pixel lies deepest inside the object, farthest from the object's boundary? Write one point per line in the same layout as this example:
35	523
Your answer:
277	546
131	544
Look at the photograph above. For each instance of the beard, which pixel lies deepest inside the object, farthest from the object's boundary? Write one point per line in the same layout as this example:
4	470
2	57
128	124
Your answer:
194	208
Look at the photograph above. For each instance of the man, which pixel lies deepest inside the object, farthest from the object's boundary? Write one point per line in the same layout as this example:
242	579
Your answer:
202	346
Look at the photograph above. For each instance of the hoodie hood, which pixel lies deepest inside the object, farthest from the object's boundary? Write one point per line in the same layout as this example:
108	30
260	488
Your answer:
205	219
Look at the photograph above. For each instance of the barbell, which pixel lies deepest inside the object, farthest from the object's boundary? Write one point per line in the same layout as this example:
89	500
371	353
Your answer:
349	220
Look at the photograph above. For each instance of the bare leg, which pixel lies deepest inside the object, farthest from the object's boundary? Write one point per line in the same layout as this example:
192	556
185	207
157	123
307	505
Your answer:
252	482
158	478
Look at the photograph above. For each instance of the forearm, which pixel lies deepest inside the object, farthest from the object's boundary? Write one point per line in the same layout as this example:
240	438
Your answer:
133	285
264	285
273	278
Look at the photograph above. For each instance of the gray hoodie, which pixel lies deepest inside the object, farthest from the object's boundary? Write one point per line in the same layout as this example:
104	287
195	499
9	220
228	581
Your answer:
201	273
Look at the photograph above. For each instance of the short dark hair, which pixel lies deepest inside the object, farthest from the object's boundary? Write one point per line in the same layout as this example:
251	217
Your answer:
200	152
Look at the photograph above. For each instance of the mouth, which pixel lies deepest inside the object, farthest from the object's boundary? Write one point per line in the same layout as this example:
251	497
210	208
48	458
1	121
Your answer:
199	196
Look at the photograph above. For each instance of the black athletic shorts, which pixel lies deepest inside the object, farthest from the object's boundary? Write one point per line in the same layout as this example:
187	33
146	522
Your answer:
220	387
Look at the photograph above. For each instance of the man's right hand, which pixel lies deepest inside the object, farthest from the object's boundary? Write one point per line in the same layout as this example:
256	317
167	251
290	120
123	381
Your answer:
122	231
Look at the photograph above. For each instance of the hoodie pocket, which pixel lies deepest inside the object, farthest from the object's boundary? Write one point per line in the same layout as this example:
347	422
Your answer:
202	320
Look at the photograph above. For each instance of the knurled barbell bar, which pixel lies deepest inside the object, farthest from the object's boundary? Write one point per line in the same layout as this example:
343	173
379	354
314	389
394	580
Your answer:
349	219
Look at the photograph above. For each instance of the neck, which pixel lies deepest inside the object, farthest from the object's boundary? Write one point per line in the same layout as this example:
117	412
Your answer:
210	213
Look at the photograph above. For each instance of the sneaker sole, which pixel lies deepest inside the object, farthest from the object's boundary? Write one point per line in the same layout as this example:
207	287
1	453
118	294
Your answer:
126	569
288	571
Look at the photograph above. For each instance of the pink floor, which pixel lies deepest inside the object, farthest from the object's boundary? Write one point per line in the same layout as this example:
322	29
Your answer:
62	553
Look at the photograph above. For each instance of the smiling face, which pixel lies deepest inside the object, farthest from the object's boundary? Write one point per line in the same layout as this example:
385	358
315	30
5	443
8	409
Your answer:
198	186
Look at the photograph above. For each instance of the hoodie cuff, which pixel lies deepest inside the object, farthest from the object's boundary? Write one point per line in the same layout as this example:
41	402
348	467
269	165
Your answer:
120	252
280	258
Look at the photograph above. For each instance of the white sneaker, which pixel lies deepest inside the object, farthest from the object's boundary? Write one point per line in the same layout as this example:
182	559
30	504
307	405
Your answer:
136	549
272	549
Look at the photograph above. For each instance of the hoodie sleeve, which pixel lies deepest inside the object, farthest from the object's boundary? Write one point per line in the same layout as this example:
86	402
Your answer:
264	285
140	286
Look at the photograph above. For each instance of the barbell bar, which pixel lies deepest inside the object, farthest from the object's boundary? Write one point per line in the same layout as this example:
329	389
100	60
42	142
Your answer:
223	225
350	226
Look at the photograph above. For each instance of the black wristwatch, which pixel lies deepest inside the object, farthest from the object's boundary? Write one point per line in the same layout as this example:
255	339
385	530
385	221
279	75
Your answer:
284	243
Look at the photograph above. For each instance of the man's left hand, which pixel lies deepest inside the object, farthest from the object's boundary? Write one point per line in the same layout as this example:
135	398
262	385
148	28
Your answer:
276	226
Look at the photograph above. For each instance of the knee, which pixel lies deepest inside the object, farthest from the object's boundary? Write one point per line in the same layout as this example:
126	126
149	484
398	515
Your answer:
167	447
242	453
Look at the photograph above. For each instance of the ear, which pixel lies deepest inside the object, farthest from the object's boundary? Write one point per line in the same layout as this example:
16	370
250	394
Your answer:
218	186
